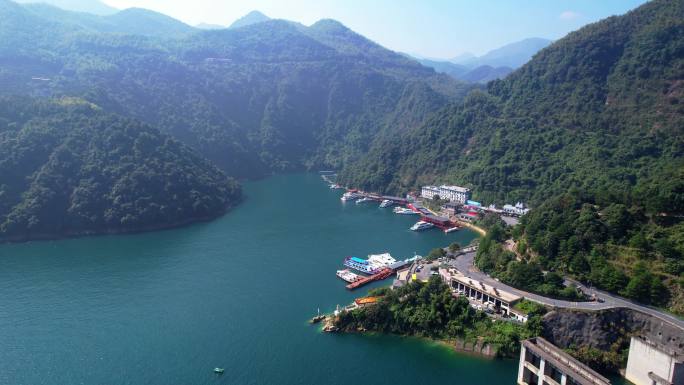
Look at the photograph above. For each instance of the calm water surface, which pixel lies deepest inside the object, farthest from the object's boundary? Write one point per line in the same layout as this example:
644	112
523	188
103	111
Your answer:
168	307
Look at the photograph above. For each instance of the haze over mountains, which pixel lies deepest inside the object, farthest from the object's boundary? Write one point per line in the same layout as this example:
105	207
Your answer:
90	6
495	64
262	98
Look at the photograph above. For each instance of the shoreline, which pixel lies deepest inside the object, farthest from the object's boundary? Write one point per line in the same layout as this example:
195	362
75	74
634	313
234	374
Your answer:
141	230
473	227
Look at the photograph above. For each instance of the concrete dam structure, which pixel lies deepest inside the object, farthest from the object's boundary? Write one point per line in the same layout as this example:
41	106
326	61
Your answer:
650	363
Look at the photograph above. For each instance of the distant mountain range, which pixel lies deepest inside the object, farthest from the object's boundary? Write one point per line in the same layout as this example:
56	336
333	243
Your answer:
90	6
495	64
512	55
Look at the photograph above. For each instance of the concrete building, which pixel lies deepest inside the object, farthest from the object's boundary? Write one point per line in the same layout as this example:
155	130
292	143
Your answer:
518	210
455	194
651	364
500	301
542	363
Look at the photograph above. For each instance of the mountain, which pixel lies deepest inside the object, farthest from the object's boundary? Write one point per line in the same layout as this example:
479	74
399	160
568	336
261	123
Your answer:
454	70
462	57
132	21
68	168
495	64
485	74
89	6
590	132
267	97
511	55
481	74
253	17
139	21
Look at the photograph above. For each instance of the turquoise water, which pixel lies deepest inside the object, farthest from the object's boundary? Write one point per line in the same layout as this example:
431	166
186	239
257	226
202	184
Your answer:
167	307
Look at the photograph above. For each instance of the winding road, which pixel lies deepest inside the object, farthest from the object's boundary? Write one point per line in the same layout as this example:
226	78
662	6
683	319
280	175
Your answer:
465	264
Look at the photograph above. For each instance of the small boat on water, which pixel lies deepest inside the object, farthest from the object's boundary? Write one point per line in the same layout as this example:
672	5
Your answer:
318	318
421	225
404	211
347	276
363	200
386	203
455	228
219	370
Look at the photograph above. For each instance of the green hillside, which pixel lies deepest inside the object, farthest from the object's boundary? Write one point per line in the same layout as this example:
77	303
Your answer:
265	97
592	125
67	168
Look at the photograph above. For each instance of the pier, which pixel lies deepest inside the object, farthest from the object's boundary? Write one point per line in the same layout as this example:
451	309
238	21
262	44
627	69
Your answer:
383	274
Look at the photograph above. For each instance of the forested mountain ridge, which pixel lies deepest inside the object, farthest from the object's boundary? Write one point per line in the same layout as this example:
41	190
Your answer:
67	168
579	106
261	98
590	132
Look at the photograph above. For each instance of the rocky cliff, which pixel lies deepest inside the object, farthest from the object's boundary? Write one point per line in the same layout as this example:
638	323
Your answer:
566	328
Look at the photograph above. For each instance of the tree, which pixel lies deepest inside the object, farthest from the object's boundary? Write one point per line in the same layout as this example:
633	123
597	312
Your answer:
436	253
454	247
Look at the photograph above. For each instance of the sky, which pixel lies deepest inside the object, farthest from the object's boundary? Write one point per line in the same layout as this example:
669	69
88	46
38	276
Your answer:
426	28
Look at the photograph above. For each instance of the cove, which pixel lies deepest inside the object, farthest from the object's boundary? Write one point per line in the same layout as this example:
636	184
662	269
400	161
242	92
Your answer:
169	306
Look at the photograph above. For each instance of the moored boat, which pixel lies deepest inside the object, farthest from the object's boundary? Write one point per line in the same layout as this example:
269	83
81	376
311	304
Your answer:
404	211
421	225
348	276
363	200
350	196
373	265
386	203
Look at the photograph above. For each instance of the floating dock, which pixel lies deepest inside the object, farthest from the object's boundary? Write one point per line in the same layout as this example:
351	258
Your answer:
383	274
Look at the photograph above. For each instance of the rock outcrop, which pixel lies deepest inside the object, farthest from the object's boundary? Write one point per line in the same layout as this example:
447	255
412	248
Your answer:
601	329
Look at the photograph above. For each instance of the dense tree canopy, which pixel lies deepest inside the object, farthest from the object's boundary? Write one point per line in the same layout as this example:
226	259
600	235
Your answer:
67	168
590	132
266	97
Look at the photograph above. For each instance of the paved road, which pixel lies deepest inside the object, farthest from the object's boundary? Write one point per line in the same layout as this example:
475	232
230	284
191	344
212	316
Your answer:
465	264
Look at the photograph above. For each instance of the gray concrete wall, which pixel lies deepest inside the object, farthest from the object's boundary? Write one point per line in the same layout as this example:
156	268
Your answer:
644	357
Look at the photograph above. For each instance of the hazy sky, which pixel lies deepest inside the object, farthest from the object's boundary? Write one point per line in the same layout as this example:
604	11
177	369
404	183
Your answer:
432	28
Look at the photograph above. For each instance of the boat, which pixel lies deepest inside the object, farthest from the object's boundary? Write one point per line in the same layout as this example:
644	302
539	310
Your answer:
219	370
386	203
421	225
350	196
364	200
347	276
318	318
404	211
451	229
373	265
335	186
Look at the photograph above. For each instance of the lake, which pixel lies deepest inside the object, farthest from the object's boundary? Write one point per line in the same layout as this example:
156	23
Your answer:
167	307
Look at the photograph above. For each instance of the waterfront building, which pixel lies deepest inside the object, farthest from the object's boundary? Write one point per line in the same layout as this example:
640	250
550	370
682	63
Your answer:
469	216
518	210
450	209
543	363
651	364
455	194
501	301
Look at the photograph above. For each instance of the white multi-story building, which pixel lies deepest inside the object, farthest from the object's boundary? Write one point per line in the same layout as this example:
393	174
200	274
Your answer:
451	193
